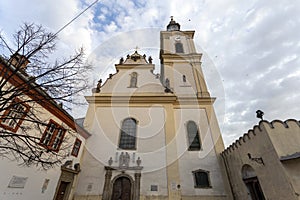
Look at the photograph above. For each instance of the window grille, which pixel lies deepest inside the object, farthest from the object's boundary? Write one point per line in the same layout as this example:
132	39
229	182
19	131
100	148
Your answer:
128	134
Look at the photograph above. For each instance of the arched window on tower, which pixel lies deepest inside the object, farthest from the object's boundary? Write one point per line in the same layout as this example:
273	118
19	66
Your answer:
193	136
128	134
133	80
178	47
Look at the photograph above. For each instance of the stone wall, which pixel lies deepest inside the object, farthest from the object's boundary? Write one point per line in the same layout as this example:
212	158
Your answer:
257	150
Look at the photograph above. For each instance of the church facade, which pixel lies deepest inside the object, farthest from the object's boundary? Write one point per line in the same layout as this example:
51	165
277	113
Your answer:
154	136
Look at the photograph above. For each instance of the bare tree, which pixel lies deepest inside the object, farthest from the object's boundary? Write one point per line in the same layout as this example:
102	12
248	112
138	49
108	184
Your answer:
30	86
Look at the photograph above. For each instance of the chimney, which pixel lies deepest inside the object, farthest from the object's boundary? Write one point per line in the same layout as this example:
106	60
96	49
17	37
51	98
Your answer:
19	61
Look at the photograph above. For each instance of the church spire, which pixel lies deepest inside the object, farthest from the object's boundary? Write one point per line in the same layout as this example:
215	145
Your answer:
173	26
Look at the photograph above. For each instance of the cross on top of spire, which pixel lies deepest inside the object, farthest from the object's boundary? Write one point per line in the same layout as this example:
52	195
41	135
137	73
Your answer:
136	48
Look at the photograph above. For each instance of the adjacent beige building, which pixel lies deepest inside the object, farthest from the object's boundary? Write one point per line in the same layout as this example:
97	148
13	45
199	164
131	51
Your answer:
265	162
55	134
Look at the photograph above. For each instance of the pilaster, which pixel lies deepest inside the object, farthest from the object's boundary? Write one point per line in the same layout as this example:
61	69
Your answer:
172	160
137	177
106	187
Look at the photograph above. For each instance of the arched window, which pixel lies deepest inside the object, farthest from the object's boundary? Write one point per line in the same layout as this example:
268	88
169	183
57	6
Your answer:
133	80
193	136
128	134
201	179
178	47
252	183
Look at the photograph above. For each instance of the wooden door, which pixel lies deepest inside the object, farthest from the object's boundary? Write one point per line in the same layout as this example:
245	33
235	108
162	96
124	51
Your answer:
254	189
62	190
121	189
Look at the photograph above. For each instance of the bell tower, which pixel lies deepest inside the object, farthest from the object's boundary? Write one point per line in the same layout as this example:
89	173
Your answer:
180	63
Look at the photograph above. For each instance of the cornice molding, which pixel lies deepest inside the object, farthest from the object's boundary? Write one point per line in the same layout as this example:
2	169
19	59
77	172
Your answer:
171	33
171	57
149	99
134	66
145	98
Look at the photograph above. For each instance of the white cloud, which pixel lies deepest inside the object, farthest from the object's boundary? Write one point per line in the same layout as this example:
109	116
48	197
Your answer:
254	45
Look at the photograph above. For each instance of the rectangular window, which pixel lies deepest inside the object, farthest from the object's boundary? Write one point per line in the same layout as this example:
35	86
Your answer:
201	179
14	115
154	188
53	136
76	147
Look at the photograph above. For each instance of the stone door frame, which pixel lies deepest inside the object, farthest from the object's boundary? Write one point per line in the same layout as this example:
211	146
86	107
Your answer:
109	182
67	175
132	184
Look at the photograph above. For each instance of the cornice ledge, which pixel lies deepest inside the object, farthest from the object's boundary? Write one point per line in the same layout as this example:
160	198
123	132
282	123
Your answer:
133	66
181	55
194	100
144	98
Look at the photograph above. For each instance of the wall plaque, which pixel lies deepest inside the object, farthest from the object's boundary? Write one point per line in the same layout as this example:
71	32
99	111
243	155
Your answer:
17	182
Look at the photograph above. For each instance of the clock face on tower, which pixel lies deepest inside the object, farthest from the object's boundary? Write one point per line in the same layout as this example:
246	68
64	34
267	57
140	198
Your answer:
177	38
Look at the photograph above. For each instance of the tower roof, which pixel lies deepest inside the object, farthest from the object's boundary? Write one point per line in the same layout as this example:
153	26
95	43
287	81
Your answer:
173	25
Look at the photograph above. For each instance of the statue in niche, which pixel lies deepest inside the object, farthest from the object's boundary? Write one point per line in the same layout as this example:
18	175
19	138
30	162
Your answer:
98	87
133	80
138	161
99	84
167	86
150	59
110	161
167	83
124	159
121	61
127	159
121	159
184	78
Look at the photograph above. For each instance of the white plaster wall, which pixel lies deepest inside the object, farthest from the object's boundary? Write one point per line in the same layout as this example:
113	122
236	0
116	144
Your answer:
292	169
286	140
103	144
146	81
205	159
188	47
181	88
36	176
92	173
33	186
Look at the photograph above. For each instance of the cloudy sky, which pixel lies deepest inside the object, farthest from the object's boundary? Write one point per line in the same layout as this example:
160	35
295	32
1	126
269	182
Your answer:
251	48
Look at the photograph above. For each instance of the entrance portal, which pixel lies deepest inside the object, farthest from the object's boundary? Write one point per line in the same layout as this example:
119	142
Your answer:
62	190
121	189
